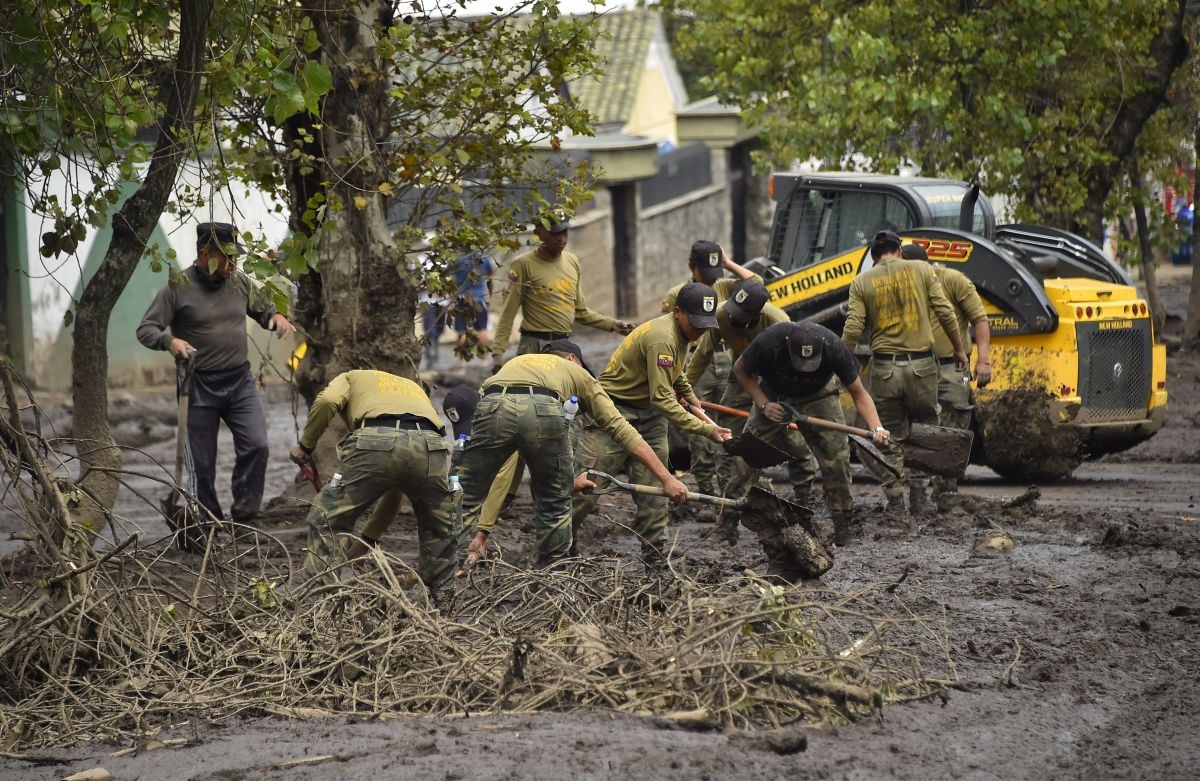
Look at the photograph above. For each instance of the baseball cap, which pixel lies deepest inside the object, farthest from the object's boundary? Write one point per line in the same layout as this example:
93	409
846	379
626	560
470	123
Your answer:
218	235
706	256
459	406
748	300
555	221
913	252
570	348
805	347
699	301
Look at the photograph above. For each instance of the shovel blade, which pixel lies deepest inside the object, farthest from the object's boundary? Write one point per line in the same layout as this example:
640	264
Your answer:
755	452
937	450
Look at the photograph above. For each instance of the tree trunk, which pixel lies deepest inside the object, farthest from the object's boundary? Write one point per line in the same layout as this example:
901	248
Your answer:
1146	250
132	226
359	308
1169	50
1191	329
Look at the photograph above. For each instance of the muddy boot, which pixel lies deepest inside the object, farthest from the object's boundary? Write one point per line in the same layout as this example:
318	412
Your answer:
918	501
895	505
706	514
846	527
943	486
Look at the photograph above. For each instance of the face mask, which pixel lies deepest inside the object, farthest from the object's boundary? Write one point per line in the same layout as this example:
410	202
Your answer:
210	280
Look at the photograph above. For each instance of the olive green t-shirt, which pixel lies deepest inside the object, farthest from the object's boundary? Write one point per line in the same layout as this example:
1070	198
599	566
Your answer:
736	339
647	371
568	379
898	298
724	288
365	393
968	309
548	295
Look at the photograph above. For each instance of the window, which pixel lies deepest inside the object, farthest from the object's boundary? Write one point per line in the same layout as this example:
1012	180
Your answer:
830	222
945	200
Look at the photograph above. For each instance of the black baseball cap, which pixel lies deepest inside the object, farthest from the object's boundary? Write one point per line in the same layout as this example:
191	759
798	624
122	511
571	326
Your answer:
748	300
805	347
459	406
699	301
555	221
706	256
218	235
570	348
913	252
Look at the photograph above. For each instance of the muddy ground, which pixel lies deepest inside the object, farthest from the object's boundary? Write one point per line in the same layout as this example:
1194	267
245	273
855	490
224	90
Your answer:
1078	647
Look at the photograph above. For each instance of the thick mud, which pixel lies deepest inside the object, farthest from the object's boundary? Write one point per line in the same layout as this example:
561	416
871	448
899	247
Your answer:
1075	650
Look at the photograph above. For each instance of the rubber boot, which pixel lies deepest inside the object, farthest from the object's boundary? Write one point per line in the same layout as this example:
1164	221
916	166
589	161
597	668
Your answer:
895	505
943	486
706	514
918	501
845	527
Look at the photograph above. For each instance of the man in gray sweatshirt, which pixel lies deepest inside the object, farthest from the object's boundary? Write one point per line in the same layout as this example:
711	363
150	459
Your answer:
203	319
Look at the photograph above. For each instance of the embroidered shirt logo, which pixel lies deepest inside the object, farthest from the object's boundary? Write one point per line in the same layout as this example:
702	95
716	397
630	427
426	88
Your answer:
666	360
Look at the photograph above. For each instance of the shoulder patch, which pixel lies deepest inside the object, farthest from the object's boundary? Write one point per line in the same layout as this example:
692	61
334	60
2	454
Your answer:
666	360
513	276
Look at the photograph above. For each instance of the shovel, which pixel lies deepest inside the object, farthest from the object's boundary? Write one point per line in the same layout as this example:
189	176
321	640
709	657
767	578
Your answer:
186	520
760	510
760	455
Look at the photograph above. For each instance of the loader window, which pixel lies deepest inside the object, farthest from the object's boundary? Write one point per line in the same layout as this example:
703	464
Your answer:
830	222
945	200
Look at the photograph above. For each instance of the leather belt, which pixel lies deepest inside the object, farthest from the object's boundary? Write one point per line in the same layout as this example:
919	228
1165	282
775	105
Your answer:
401	422
946	361
893	357
548	335
532	390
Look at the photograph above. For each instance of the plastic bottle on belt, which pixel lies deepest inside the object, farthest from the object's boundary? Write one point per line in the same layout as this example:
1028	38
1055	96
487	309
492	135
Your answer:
571	408
455	486
460	444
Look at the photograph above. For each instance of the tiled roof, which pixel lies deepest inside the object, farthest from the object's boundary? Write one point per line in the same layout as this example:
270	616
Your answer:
622	43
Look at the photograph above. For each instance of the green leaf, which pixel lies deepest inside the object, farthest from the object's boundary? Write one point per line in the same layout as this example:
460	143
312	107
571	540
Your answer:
317	78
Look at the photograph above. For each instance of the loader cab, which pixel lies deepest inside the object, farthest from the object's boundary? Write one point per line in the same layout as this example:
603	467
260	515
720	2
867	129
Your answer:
819	217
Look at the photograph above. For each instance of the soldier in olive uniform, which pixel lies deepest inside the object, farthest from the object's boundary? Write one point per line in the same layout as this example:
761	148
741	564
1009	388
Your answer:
544	286
742	317
795	364
396	442
895	299
645	380
522	411
459	406
707	264
955	396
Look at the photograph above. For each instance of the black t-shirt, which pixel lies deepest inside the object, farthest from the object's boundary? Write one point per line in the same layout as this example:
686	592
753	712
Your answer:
769	357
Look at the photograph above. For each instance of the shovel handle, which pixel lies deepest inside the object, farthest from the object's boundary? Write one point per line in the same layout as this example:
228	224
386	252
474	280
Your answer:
654	490
741	413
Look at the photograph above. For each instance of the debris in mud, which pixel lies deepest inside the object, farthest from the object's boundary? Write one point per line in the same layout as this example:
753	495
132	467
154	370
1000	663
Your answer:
994	542
1023	439
780	741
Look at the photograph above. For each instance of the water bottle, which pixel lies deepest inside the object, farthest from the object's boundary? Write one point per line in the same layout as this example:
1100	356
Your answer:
336	480
460	444
455	486
570	408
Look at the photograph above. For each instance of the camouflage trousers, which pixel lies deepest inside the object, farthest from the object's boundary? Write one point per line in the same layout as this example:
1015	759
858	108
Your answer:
905	391
830	448
957	401
526	345
710	465
741	475
389	504
533	426
598	450
376	461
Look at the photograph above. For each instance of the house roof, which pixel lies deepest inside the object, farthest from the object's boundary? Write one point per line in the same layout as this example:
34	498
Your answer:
623	43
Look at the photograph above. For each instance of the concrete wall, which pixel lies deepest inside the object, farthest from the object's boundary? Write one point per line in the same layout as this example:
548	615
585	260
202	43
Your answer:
667	231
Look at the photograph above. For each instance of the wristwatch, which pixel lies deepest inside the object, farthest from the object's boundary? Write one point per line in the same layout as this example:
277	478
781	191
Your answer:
878	429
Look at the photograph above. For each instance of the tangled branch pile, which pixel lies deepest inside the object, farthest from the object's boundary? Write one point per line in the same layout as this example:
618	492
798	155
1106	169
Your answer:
112	642
154	640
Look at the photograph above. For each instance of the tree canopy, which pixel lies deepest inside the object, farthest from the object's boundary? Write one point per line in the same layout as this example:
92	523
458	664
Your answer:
1038	100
